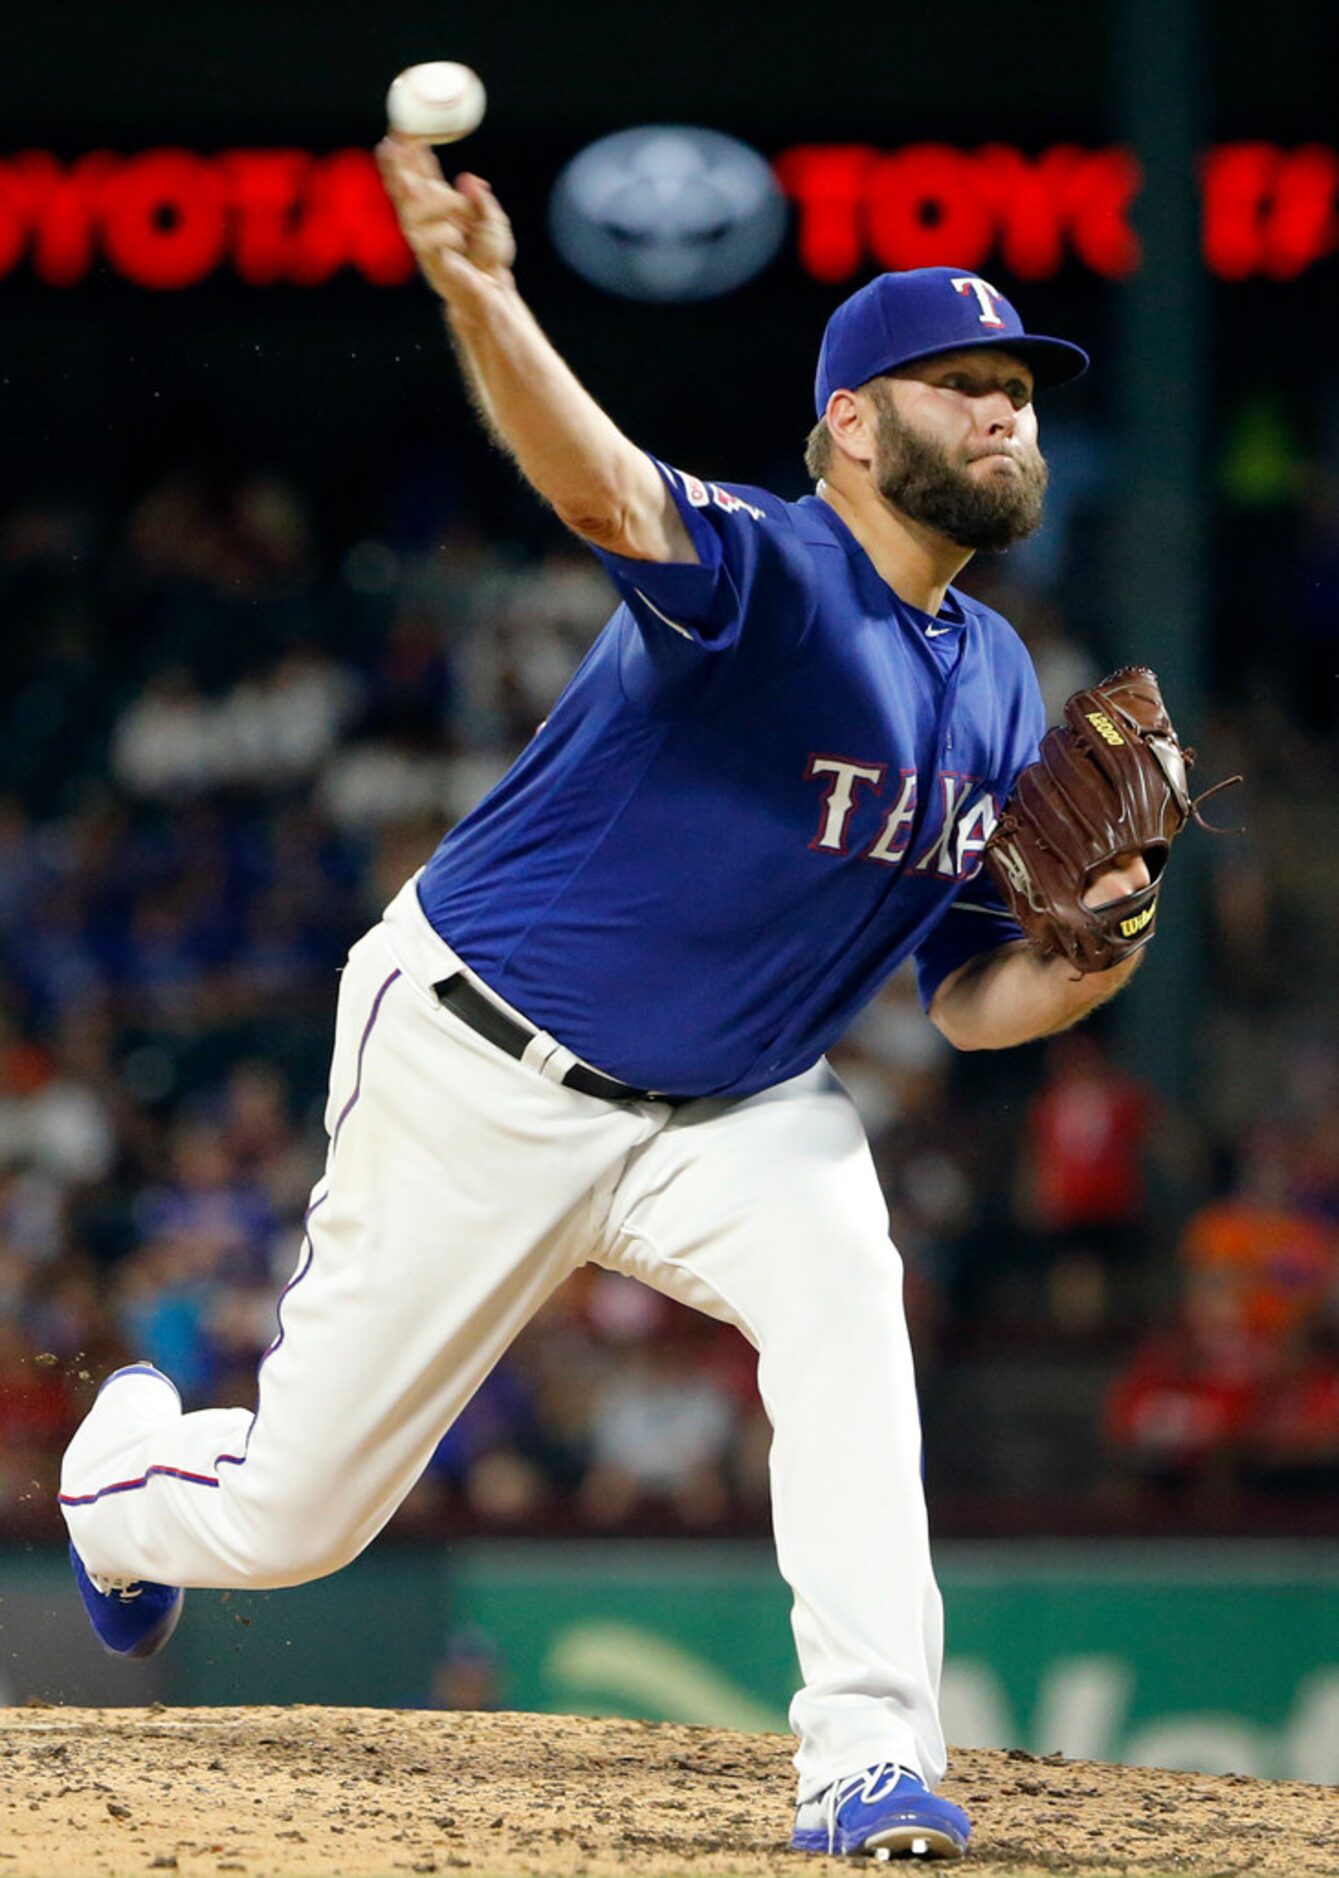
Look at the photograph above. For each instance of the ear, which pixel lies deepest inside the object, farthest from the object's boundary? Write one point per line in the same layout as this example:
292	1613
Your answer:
852	425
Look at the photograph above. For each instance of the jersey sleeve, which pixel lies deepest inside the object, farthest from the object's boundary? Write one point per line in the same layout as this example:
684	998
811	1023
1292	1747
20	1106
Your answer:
976	920
753	573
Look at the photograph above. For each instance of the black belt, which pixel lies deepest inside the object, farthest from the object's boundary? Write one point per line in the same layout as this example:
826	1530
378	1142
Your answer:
482	1015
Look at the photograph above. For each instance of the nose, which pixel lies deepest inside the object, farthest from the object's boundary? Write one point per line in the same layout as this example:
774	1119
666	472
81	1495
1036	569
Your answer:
998	418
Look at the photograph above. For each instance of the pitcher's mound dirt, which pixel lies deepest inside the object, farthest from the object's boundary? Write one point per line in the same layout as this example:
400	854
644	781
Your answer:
293	1792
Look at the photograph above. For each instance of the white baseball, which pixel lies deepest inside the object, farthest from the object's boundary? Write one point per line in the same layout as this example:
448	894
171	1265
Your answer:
438	102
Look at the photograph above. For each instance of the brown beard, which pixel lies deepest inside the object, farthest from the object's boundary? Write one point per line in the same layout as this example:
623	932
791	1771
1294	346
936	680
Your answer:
916	475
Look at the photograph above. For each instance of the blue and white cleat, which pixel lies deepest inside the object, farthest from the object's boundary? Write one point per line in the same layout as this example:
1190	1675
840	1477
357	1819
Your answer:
886	1812
130	1620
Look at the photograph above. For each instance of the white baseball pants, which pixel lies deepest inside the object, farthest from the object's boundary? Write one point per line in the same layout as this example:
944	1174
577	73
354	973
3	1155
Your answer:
461	1187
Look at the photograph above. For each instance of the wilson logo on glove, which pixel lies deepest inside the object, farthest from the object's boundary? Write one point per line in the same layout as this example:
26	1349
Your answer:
1129	927
1104	727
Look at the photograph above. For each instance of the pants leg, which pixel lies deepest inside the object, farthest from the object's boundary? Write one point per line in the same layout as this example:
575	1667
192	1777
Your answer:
455	1199
767	1213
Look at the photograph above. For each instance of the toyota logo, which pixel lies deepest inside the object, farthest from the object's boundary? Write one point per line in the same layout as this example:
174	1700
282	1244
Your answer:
667	212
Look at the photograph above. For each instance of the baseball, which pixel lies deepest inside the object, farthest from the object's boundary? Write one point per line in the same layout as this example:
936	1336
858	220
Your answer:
438	102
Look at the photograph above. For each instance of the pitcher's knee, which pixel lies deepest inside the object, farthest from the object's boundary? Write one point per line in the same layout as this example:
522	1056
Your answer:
836	1330
844	1285
281	1560
278	1546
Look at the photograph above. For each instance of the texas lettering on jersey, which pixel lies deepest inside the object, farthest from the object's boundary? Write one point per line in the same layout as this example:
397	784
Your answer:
961	827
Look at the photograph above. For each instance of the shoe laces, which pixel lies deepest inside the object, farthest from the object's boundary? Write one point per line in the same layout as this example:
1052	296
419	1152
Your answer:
126	1589
873	1783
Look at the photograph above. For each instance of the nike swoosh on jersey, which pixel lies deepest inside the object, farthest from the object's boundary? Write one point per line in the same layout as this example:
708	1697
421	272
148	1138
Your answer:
937	632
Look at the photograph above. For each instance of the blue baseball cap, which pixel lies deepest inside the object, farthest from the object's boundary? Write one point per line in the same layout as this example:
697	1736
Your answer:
898	318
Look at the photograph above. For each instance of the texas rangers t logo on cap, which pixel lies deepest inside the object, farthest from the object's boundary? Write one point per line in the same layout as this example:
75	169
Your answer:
896	319
986	296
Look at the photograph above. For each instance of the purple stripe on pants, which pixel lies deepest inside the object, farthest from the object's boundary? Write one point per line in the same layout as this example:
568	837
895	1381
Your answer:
362	1047
159	1471
308	1250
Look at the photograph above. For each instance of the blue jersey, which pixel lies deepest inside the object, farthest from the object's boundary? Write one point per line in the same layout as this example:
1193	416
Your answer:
769	782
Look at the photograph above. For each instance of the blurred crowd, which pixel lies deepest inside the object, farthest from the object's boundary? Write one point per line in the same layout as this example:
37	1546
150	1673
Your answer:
228	737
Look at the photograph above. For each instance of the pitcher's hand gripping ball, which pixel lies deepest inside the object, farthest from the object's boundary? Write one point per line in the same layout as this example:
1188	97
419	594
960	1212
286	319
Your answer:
1110	782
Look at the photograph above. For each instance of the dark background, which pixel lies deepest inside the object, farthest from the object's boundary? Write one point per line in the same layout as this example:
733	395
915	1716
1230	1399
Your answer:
102	380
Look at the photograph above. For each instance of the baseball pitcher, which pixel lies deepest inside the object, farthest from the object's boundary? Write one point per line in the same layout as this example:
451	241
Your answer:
594	1026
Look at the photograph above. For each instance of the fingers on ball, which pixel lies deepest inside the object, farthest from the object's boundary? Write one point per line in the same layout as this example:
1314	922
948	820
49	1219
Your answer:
406	166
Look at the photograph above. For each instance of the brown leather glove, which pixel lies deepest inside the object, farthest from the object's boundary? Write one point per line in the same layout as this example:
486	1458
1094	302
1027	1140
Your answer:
1110	782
